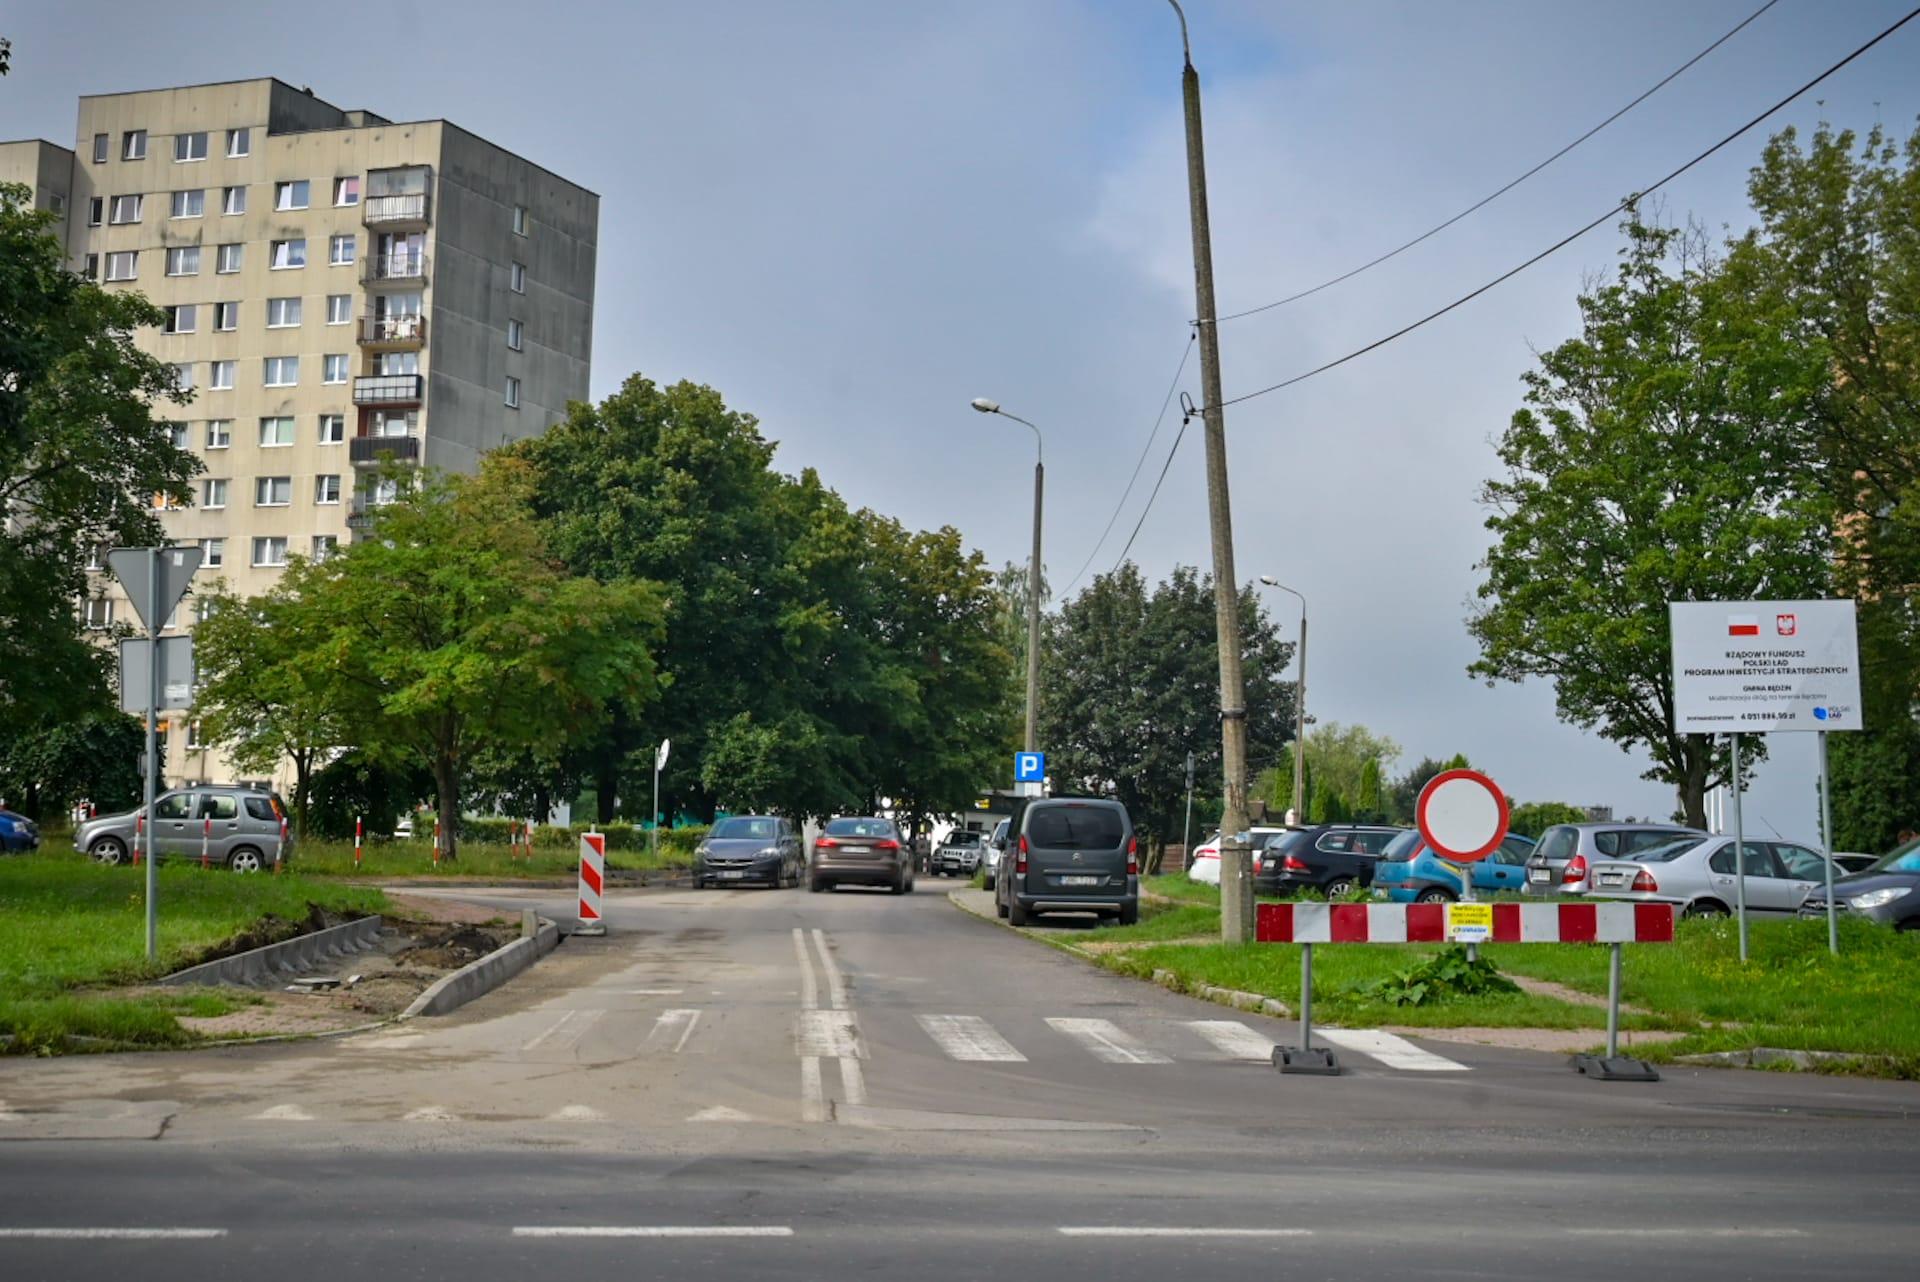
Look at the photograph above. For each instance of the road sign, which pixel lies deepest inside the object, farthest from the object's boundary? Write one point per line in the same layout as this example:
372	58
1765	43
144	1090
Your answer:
177	566
1470	923
660	754
1462	815
1029	767
1752	667
176	673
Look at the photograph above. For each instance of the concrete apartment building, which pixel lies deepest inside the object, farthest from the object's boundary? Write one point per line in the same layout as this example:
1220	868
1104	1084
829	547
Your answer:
341	290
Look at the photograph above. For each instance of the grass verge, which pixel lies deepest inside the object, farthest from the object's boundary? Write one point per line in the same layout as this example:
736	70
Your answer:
70	931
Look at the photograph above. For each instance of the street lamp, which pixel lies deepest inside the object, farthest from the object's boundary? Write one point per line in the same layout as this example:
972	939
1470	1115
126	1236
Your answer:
986	406
1299	707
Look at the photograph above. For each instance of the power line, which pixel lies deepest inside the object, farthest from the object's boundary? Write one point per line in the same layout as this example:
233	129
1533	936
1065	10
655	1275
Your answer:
1186	417
1568	240
1489	199
1173	387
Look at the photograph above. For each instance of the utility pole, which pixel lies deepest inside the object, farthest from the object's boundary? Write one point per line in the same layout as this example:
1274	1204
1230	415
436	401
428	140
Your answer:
1300	725
1033	612
1236	875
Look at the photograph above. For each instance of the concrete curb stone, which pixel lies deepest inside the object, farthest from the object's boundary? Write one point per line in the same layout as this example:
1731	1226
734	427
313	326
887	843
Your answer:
259	967
450	992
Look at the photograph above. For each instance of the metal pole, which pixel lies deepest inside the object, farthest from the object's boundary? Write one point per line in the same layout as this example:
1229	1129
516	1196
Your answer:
1826	845
1300	724
1613	1003
153	737
1236	880
1306	997
1739	853
653	832
1186	833
1033	612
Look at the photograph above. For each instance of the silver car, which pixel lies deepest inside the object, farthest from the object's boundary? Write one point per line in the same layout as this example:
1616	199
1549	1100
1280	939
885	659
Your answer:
1696	875
238	828
1563	860
995	847
958	854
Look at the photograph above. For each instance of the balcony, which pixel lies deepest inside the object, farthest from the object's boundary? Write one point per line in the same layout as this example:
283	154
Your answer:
389	389
358	516
408	329
371	451
402	211
405	267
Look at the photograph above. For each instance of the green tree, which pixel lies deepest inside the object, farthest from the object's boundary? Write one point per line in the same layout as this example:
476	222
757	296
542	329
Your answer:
1535	817
1340	755
47	766
1369	805
1660	457
81	458
1407	788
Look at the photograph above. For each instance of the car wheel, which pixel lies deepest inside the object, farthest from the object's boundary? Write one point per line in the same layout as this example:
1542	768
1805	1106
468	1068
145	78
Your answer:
1434	895
815	885
110	851
1339	886
899	886
245	859
1130	913
1705	908
1018	915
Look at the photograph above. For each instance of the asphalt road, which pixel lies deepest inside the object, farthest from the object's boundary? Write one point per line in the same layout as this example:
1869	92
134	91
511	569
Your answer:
760	1084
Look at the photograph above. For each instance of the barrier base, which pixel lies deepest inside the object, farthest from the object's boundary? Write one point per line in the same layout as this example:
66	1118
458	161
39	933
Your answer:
1311	1061
1615	1068
590	928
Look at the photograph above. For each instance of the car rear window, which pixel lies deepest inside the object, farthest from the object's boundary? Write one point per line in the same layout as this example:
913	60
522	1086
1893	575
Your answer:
261	808
1075	827
1557	843
1402	847
859	828
1671	851
1288	843
1642	840
736	829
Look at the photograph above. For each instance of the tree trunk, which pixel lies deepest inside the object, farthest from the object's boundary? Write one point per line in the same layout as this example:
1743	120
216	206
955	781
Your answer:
302	791
606	783
542	805
1697	750
1156	855
447	803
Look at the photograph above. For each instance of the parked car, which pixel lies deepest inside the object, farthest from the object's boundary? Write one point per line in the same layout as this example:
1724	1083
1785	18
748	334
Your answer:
1070	855
958	854
17	832
861	851
1204	864
1888	892
1409	872
1329	858
243	829
748	848
1848	862
1564	858
1696	875
996	845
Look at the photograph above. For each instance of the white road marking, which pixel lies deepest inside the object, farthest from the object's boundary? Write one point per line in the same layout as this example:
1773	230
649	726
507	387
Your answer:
829	1034
970	1038
853	1081
282	1113
809	990
721	1113
113	1234
1106	1042
1394	1052
1233	1039
566	1032
653	1230
577	1113
1135	1230
431	1113
674	1026
813	1097
1687	1233
652	992
8	1115
551	1029
836	983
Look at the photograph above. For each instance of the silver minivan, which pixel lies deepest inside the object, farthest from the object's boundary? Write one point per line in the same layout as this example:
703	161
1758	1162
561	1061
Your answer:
1069	855
238	828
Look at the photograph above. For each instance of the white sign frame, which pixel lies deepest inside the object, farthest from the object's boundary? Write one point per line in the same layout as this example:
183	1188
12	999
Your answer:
1764	667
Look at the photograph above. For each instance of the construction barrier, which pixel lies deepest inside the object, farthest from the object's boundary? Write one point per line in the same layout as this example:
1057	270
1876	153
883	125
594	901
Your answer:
206	841
593	878
359	834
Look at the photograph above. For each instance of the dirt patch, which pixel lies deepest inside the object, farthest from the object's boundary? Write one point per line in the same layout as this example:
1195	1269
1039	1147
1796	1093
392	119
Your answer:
1566	1041
450	947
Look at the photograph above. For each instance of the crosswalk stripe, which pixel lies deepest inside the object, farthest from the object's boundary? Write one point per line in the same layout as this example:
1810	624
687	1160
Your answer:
1394	1052
968	1037
1105	1042
1233	1039
673	1028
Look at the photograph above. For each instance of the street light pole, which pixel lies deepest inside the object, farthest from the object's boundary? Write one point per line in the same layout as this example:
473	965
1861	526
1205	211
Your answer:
1236	876
986	406
1299	707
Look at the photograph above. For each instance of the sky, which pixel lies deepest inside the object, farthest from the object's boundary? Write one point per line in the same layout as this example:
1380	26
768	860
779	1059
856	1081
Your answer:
852	217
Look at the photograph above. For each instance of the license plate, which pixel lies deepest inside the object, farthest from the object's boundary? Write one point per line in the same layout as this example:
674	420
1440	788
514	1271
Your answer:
732	876
1613	880
1538	874
1081	881
858	850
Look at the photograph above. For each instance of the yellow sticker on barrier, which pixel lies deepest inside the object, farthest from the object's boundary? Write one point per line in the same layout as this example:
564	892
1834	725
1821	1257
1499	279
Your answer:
1470	923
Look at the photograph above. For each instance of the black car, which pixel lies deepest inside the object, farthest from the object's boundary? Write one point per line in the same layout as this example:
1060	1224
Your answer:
1888	892
1329	858
749	848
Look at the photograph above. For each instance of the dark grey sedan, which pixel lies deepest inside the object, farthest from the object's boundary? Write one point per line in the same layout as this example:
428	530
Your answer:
743	849
1888	892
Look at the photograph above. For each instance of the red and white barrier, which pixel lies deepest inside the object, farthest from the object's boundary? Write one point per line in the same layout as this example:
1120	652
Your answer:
359	833
206	842
1598	923
593	877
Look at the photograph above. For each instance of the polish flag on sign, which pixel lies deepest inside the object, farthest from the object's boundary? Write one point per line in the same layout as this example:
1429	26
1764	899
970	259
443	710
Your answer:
1743	625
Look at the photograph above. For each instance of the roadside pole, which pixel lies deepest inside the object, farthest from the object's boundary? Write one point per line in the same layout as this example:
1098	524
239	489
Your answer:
206	840
1739	852
1186	833
156	616
660	756
1826	845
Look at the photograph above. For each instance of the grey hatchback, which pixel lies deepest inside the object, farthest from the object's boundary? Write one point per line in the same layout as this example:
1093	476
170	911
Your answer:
239	828
1069	855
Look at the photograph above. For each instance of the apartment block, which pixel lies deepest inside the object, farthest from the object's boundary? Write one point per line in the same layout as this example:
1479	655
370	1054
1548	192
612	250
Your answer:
342	291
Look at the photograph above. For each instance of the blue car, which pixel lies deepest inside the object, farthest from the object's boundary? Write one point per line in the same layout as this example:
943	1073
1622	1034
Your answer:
17	832
1409	873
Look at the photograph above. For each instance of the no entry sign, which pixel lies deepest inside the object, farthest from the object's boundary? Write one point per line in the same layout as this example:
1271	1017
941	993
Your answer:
1462	815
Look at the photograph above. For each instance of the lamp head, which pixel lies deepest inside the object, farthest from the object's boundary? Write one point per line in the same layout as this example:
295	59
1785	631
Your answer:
986	406
1270	581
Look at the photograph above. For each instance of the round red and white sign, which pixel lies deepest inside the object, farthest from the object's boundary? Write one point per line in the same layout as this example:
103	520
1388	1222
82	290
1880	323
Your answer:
1462	815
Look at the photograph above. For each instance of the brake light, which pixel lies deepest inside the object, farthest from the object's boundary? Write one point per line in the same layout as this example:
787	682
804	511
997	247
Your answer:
828	842
1576	871
1294	863
888	844
1020	863
1643	880
1133	856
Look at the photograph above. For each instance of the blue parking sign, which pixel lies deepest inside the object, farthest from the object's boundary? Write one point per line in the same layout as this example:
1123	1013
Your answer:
1029	767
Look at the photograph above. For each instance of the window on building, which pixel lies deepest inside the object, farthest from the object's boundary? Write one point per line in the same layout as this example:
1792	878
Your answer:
184	261
100	149
341	250
290	195
399	362
339	309
188	204
283	313
276	431
516	334
287	254
282	371
97	555
126	209
213	494
519	220
223	375
233	200
228	258
173	619
99	613
513	392
519	278
333	429
193	742
56	202
96	210
239	142
123	264
333	369
184	318
133	145
183	376
346	191
392	423
213	553
92	268
324	546
226	316
270	551
189	147
383	491
219	433
179	435
272	491
326	489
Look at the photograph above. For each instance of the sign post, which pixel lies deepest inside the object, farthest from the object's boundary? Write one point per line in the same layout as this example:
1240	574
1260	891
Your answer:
1030	772
1462	816
653	829
1186	833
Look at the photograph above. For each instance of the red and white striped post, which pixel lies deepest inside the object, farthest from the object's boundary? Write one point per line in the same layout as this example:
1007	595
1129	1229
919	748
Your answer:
206	842
139	836
280	845
593	877
436	842
359	834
